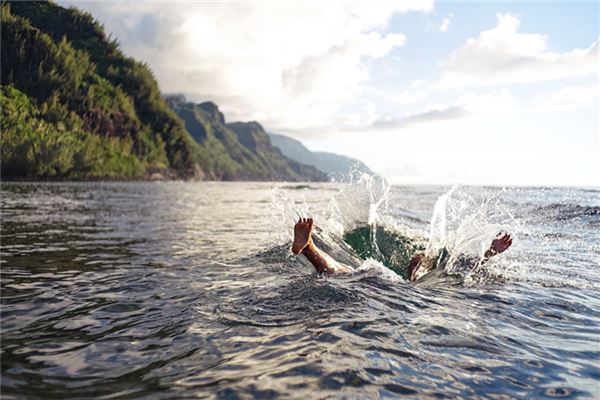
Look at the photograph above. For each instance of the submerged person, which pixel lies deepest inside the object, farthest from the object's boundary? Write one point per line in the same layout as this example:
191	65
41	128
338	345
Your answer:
419	266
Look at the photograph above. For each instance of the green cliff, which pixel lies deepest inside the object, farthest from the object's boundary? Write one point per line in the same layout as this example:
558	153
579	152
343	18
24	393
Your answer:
106	107
238	151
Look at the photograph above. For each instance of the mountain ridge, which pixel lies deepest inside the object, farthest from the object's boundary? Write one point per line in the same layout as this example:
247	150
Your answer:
244	149
336	166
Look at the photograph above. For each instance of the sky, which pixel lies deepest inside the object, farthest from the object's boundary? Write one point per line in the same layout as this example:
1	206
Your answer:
498	93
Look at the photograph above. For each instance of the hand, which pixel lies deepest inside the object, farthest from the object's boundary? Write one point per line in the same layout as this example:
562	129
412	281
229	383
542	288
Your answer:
501	243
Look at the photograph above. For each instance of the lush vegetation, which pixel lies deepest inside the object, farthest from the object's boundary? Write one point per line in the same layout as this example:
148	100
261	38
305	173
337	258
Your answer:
74	106
33	147
83	90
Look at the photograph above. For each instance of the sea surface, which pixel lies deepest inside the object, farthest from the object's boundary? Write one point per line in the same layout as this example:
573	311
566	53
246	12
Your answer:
188	290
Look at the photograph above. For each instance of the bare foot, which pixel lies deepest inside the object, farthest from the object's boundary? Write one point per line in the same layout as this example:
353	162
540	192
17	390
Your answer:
501	243
302	231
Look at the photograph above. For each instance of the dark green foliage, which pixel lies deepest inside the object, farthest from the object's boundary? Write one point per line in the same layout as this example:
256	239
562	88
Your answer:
390	248
132	77
61	59
253	136
35	148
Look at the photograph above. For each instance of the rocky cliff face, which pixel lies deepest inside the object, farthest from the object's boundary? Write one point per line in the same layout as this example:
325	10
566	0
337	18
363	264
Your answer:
239	150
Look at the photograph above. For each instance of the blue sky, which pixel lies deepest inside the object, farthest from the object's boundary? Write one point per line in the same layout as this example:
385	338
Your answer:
422	91
568	26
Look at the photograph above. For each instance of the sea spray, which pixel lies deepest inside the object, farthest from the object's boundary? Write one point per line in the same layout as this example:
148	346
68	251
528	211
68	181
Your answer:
361	214
284	213
378	190
438	235
464	222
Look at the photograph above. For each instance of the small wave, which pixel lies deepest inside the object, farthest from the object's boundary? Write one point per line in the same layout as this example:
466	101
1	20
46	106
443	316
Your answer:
566	212
551	235
375	268
286	305
297	187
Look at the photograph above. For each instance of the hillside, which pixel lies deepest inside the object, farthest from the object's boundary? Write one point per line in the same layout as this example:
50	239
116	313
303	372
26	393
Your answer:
104	110
75	107
238	151
336	166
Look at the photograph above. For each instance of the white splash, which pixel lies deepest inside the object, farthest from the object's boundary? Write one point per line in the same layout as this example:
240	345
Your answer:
438	234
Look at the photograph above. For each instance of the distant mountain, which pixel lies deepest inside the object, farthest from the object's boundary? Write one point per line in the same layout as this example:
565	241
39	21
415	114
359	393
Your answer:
239	150
336	166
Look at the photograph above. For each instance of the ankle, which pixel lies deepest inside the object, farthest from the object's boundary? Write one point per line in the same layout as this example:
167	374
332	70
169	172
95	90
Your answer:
309	248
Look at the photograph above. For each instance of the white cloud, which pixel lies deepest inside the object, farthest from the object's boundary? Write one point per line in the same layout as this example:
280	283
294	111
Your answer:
494	104
445	24
398	97
288	64
503	55
428	116
568	98
480	106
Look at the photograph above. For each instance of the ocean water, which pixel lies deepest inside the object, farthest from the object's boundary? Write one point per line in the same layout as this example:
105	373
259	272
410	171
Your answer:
189	290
